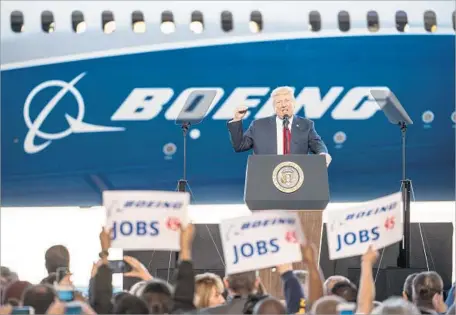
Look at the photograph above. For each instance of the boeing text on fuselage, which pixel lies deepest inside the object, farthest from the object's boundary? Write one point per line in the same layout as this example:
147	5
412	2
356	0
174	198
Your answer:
144	104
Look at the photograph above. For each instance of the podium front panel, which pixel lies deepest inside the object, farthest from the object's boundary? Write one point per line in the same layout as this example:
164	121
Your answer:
262	184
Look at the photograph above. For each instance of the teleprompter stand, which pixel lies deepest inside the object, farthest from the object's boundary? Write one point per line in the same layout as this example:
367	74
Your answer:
397	115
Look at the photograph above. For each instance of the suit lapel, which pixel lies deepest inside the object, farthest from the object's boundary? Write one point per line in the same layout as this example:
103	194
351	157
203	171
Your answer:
296	128
272	136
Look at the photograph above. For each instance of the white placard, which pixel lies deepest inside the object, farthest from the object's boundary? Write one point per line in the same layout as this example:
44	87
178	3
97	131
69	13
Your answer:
144	220
264	239
378	222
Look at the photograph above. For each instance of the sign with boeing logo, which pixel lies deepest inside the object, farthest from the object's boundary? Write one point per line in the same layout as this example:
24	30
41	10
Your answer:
351	231
262	240
143	220
144	104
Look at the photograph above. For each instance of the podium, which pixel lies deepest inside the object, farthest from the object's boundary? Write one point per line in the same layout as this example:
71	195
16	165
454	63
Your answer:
288	182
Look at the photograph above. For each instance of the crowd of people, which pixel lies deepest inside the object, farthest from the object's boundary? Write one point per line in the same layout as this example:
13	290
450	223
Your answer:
305	291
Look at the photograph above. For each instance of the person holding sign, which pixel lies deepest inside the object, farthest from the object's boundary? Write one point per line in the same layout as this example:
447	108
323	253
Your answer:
282	133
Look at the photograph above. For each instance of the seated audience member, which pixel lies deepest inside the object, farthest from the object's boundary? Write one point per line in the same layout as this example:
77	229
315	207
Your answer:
269	305
345	290
130	304
40	297
396	306
208	290
428	293
407	291
14	292
331	281
327	305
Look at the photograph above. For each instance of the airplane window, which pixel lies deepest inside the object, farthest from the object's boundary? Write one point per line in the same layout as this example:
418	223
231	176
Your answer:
401	21
47	22
314	21
107	22
167	25
373	23
137	22
344	21
77	22
454	20
197	22
17	22
227	21
430	21
256	22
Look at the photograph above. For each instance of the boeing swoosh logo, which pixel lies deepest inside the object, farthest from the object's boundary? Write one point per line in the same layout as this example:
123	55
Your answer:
75	125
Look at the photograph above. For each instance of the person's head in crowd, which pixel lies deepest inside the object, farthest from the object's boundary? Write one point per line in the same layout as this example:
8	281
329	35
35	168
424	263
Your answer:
158	295
345	290
7	276
130	304
252	301
208	290
425	286
40	297
396	306
407	291
117	296
14	292
243	283
56	257
137	288
269	306
331	281
302	277
327	305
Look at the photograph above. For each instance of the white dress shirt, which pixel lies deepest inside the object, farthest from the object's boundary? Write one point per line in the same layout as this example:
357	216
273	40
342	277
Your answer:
279	124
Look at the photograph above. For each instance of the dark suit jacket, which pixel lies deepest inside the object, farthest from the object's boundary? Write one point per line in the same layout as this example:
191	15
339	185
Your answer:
261	136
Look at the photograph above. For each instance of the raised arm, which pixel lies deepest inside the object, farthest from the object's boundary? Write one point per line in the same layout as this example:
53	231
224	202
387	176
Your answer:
366	294
185	279
239	140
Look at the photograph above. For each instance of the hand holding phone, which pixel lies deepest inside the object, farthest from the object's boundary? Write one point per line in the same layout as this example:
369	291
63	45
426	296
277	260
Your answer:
119	266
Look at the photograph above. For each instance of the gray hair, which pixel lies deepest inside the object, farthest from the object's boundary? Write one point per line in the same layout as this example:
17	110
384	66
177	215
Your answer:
396	306
331	281
282	90
327	305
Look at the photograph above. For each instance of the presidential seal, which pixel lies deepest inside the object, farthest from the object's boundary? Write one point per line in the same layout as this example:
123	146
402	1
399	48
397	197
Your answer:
288	177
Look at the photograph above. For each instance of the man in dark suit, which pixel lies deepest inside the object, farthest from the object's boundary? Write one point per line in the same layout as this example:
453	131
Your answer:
282	133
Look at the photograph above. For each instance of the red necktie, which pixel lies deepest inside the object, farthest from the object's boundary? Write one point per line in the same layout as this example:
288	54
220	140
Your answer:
286	140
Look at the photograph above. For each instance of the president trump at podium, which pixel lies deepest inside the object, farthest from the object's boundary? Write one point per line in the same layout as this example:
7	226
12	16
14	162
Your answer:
282	133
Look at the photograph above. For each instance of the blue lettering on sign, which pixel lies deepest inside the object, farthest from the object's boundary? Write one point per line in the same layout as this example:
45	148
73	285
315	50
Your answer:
267	222
152	204
247	250
135	228
362	236
371	212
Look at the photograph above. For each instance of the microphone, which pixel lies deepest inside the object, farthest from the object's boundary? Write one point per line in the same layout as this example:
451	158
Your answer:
285	120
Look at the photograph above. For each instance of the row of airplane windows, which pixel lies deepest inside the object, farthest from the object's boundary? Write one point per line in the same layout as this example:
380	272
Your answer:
226	18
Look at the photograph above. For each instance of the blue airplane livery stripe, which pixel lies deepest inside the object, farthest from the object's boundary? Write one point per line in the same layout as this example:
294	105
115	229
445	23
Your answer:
365	166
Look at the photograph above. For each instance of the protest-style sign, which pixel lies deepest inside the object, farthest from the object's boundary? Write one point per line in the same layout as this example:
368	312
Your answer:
143	220
378	222
261	240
